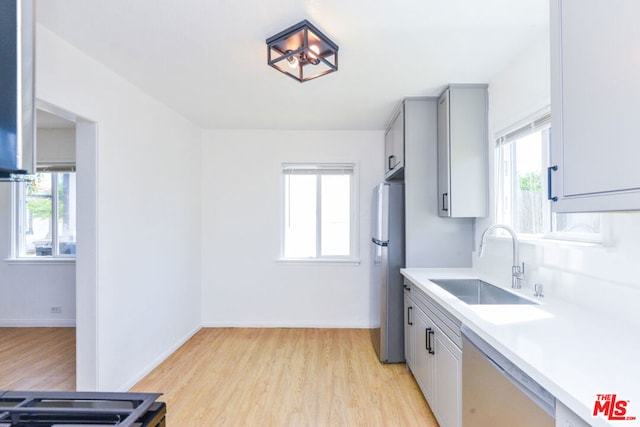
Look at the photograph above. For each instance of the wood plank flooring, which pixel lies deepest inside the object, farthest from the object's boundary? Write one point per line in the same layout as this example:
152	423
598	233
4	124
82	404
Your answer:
285	377
38	359
243	377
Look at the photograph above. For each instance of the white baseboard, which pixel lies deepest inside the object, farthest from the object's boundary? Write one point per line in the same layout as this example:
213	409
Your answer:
37	323
323	325
151	366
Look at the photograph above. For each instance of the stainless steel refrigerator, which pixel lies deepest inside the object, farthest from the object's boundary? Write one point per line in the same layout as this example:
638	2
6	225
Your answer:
387	258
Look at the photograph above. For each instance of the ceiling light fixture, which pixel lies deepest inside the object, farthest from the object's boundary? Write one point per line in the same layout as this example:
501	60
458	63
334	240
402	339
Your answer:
302	52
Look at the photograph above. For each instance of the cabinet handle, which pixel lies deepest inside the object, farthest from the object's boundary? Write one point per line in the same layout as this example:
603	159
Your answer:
549	170
444	203
426	340
409	309
389	162
407	287
430	333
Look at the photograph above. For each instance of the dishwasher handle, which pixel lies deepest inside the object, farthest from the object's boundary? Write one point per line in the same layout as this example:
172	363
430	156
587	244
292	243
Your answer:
510	371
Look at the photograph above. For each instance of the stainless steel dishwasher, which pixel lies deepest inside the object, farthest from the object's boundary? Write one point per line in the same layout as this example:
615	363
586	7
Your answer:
496	393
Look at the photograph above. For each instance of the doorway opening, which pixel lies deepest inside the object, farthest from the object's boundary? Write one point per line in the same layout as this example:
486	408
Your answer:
53	261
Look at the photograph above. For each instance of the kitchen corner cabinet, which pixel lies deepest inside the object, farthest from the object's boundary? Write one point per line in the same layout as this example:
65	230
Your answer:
394	146
594	106
462	151
433	357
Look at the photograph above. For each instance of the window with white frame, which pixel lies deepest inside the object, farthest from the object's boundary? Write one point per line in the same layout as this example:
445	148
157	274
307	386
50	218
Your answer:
522	159
319	212
45	216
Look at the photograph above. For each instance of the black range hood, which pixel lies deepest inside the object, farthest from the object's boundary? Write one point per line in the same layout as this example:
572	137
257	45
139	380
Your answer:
17	81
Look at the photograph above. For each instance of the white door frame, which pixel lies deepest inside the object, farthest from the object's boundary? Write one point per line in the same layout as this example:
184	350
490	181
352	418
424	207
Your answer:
87	246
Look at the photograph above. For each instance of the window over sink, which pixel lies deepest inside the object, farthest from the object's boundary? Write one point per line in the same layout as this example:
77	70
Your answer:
522	161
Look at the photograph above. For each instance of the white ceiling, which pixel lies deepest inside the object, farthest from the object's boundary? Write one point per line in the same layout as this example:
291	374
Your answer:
207	58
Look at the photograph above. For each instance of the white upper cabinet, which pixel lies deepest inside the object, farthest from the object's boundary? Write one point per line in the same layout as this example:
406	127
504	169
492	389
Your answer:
462	151
394	145
595	105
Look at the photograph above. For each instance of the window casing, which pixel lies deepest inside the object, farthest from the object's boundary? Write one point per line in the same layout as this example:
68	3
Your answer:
45	216
319	212
522	159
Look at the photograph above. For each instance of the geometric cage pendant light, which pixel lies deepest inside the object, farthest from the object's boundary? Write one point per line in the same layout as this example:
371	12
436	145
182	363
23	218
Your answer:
302	52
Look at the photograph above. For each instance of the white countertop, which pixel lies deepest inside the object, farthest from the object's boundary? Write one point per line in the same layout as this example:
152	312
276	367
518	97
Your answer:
572	353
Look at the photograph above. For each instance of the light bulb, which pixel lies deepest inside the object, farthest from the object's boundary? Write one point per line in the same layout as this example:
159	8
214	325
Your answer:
314	51
292	60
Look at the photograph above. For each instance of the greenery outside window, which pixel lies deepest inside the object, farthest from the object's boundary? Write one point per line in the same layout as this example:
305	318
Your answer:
319	215
522	159
46	216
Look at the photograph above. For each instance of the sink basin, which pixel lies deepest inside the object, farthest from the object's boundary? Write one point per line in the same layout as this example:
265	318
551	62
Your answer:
475	291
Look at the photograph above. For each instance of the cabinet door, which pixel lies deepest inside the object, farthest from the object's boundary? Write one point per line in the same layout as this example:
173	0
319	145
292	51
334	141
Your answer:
389	156
448	382
394	145
594	99
443	155
462	151
423	360
409	338
398	139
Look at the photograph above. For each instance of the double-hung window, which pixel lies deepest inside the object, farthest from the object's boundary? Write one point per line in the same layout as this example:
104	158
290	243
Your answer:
522	159
45	213
319	214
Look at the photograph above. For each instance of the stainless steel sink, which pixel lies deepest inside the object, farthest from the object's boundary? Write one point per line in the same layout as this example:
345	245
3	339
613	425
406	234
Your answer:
476	291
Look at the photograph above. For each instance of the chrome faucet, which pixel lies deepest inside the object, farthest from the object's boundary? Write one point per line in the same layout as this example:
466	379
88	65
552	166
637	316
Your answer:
517	271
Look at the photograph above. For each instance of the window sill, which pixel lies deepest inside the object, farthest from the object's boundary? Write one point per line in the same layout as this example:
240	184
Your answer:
321	261
41	261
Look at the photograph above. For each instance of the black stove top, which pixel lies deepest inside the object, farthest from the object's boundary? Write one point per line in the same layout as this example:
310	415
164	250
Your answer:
66	409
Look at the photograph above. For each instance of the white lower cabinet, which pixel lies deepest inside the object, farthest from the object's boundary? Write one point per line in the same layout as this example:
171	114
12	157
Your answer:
423	362
448	381
434	359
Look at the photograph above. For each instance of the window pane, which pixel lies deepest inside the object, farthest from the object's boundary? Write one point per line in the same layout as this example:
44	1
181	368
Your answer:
528	187
577	223
37	219
300	216
335	215
522	201
66	213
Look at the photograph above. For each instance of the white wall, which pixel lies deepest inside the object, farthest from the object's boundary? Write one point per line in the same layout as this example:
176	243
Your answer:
28	290
147	219
599	277
243	284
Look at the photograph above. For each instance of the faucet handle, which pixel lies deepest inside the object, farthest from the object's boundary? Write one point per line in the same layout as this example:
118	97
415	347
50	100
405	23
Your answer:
537	287
518	270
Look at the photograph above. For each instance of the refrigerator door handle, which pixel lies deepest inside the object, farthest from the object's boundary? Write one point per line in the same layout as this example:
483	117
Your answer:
379	242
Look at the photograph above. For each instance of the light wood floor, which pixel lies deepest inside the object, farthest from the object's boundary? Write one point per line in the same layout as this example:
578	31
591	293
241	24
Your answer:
243	377
285	377
38	359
